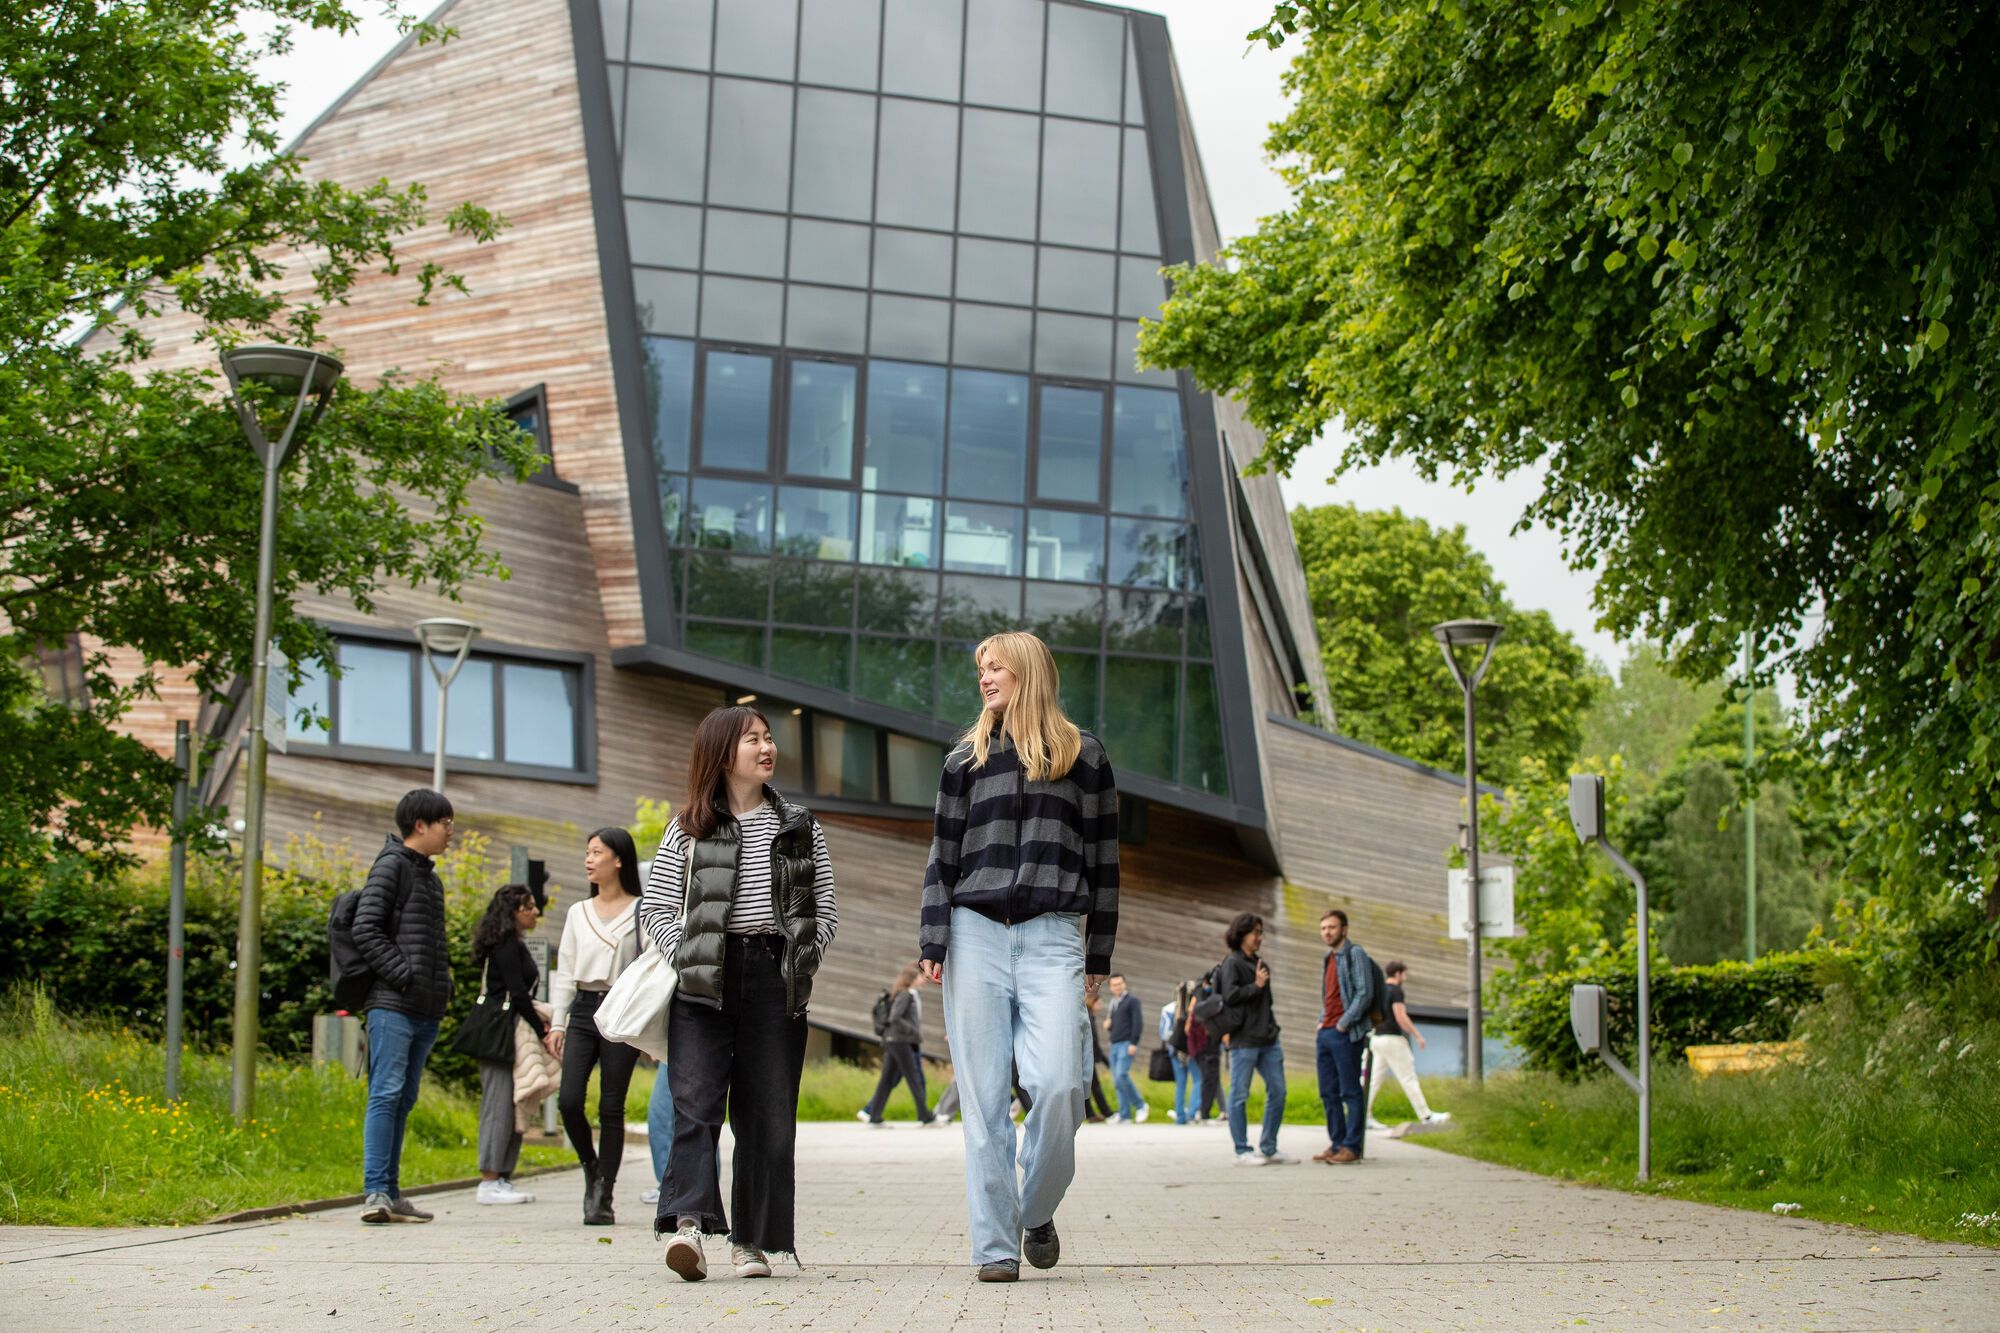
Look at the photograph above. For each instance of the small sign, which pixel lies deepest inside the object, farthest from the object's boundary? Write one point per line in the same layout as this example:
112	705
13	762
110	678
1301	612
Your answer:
1496	903
540	952
277	697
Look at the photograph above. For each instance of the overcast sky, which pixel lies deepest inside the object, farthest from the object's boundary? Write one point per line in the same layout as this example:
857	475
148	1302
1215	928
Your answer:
1233	91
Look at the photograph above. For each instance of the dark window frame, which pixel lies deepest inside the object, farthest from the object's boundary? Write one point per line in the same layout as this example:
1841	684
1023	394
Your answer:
537	396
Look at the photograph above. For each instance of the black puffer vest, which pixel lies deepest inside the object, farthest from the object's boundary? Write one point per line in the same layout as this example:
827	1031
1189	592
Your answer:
712	886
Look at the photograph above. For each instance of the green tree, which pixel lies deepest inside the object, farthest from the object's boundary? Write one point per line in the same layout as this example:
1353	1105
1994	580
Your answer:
1726	274
1647	716
1378	583
129	500
1699	862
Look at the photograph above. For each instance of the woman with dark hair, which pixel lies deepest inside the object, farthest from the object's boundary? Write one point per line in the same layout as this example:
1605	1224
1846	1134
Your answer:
510	971
902	1054
741	899
1244	981
600	939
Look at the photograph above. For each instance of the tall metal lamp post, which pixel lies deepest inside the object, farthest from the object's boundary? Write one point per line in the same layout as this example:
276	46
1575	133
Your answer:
309	378
445	642
1451	636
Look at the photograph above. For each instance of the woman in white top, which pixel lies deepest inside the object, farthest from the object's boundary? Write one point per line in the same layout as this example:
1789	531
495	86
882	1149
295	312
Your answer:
600	939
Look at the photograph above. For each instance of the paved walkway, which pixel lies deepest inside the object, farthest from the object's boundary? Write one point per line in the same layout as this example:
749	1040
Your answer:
1161	1231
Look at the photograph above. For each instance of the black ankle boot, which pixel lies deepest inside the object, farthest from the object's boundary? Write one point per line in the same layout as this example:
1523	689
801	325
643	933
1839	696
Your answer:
597	1200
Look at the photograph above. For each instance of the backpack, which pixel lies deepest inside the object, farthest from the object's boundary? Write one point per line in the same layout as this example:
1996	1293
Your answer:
882	1006
1378	1004
348	971
1219	1018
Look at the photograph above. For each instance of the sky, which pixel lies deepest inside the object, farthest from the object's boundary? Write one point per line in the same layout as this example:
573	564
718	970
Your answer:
1233	90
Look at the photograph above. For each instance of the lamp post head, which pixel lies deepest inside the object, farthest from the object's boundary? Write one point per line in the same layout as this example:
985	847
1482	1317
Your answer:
1454	634
1586	806
306	375
445	634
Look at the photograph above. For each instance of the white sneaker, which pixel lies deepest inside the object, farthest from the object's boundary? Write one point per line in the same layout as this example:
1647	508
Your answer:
1373	1123
1144	1111
862	1116
501	1192
1250	1159
650	1194
1437	1117
1280	1159
749	1261
684	1254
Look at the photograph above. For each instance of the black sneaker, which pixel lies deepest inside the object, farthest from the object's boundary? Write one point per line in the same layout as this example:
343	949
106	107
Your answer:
1000	1270
1041	1246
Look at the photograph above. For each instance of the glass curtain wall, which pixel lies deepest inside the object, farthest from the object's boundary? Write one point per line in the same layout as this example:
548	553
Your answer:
889	258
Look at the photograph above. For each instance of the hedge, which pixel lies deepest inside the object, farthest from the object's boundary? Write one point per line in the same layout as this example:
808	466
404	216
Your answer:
1692	1006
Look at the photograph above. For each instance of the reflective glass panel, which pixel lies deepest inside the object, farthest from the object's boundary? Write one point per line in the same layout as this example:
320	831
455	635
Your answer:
617	73
919	159
996	271
1075	280
997	187
1076	684
920	48
736	412
1143	622
972	608
816	522
914	769
1064	615
833	167
666	131
1203	761
538	708
830	252
374	696
905	326
901	673
958	683
732	515
665	234
905	446
611	15
912	261
1070	452
468	717
748	243
807	592
1080	184
1125	359
673	517
840	42
309	706
899	530
731	643
819	436
1199	641
1003	53
750	144
666	301
740	310
1139	223
1148	554
1086	63
670	399
982	539
1078	345
991	335
788	739
812	656
1141	289
989	435
671	32
1148	456
1135	101
755	37
1136	711
729	587
825	319
898	601
1063	544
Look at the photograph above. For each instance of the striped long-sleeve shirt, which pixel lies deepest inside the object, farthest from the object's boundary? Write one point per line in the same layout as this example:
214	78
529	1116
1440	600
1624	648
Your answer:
750	908
1012	849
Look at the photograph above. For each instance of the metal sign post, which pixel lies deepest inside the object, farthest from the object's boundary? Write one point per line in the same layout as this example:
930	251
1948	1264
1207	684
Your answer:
1587	1010
177	910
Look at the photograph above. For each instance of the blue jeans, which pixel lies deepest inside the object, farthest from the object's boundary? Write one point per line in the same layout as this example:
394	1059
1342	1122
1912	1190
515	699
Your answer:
1129	1100
398	1045
1013	997
1340	1087
1187	1089
660	1123
1268	1062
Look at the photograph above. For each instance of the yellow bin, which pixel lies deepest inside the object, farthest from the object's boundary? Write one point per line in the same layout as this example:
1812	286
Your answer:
1743	1057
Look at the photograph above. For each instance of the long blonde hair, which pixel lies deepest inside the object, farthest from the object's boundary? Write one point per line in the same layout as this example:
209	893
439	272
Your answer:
1047	742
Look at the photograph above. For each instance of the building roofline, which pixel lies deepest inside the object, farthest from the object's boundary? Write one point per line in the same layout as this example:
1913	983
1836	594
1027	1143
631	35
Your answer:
338	104
1361	747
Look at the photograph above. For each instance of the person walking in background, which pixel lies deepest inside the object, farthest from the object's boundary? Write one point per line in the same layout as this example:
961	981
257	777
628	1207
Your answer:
1122	1030
399	930
510	970
1024	851
1347	994
1244	981
600	939
1393	1036
902	1055
1174	1018
1206	1049
1096	1106
741	898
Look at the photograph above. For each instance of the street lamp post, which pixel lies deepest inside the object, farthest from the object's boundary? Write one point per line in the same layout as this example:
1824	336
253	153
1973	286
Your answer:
1451	636
315	374
442	637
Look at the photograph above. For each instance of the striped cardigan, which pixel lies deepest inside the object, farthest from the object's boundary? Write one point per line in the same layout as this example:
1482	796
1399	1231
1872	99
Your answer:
1012	849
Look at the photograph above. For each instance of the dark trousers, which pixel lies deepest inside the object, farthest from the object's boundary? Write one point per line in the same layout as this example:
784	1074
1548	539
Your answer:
583	1050
1210	1061
1340	1088
900	1064
744	1059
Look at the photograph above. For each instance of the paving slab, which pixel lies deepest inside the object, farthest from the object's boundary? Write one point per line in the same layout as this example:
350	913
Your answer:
1160	1231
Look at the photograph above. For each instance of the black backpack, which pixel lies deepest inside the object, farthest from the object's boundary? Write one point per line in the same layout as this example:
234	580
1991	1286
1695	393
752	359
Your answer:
1210	1011
348	972
1378	1005
882	1005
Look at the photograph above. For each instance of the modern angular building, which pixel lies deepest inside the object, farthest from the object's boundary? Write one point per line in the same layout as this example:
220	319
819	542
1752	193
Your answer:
824	312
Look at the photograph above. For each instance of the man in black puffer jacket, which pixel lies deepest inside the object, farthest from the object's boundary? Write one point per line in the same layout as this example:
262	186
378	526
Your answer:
399	929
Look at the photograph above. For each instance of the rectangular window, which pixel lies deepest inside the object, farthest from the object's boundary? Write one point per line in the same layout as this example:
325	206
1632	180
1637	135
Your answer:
997	184
920	48
755	37
1204	763
1003	53
1080	184
1076	682
1076	280
898	601
843	758
1143	622
919	160
730	643
787	733
1141	289
672	32
989	436
666	301
1138	223
1073	345
914	769
736	412
899	530
1086	62
812	657
752	244
740	310
833	168
819	435
901	673
1148	554
666	132
750	145
809	592
840	42
904	449
1069	451
904	326
829	252
982	539
825	319
1063	544
730	515
912	261
729	587
991	335
665	234
996	271
1137	712
1148	454
815	523
1065	615
469	715
970	608
376	685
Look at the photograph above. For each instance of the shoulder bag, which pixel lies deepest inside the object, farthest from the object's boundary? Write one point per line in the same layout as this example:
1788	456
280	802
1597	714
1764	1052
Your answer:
487	1030
637	1001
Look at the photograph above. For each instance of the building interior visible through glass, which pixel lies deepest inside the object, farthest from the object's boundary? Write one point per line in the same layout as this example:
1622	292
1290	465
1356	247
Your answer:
889	278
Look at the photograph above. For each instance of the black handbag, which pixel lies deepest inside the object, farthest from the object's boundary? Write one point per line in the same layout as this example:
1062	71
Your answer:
487	1030
1160	1067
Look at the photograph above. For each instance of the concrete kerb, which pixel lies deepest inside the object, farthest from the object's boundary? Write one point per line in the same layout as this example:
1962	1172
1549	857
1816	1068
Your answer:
356	1200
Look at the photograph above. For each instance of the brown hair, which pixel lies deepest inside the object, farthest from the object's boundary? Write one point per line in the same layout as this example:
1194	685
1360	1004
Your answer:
905	979
715	742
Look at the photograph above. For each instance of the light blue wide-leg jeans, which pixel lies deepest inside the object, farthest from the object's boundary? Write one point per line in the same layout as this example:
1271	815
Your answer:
1013	997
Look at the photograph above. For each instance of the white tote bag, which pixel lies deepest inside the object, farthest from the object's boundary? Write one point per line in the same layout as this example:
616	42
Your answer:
634	1009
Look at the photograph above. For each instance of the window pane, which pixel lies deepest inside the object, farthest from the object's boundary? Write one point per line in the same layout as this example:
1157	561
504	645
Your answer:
670	400
816	523
1143	622
1076	683
905	326
739	310
1141	289
618	107
1071	448
991	335
840	42
673	516
665	234
750	144
671	32
1065	615
539	706
748	243
843	758
1139	225
912	261
898	601
666	301
736	412
468	714
1125	359
1147	554
1079	184
1086	62
830	252
666	128
375	690
1199	641
833	169
1148	458
982	539
811	656
901	673
819	439
807	592
996	271
1065	545
920	48
1137	714
1003	53
1203	762
1078	345
1135	101
729	587
899	530
905	445
308	706
989	435
731	643
1076	280
731	515
997	185
612	15
755	37
972	608
824	319
786	738
919	159
958	683
914	769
